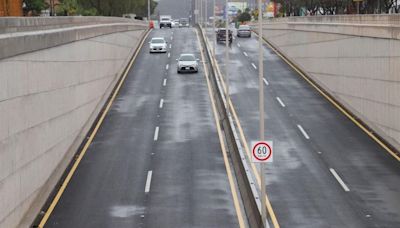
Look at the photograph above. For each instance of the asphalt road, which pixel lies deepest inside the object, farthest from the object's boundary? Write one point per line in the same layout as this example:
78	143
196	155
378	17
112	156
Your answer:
312	142
156	160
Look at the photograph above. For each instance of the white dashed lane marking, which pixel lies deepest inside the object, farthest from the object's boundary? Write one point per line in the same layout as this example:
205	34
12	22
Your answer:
148	181
156	133
280	102
341	182
303	132
161	103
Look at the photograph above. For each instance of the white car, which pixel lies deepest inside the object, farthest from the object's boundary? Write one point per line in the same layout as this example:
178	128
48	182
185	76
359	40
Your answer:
175	23
158	44
187	63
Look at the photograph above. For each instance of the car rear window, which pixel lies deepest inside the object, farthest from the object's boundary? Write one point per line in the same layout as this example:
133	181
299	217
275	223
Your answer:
157	41
244	27
187	58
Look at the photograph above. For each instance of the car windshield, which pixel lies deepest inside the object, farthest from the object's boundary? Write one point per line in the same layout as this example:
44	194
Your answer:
157	41
244	27
187	58
165	19
223	31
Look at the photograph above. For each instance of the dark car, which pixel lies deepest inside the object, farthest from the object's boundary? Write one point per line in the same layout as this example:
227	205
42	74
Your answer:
244	31
221	35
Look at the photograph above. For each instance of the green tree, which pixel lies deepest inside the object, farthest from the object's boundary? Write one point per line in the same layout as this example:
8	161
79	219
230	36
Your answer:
118	7
243	17
72	7
68	8
35	6
333	7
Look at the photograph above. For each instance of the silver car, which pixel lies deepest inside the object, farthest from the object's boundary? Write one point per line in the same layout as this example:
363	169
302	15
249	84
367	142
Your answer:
187	63
244	31
158	44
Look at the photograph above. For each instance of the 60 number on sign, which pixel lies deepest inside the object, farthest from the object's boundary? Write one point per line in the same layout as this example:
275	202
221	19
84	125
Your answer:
262	152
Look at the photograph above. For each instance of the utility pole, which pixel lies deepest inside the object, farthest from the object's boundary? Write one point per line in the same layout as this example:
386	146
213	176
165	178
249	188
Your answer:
261	104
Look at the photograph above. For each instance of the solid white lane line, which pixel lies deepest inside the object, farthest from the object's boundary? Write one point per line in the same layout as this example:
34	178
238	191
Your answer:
238	44
161	103
148	181
170	46
165	82
265	81
254	65
156	133
169	54
341	182
303	131
245	54
172	37
167	67
280	102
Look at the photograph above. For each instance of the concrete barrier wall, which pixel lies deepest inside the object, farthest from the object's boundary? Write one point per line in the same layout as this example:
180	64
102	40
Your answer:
49	98
355	58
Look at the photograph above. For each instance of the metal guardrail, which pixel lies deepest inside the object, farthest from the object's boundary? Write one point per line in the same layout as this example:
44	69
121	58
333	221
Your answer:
244	179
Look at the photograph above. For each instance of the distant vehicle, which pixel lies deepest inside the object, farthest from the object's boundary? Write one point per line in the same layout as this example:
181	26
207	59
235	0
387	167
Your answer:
175	23
187	63
221	35
158	44
183	22
244	31
165	21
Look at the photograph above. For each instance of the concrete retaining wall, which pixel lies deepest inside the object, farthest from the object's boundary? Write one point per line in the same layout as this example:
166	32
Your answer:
49	98
355	58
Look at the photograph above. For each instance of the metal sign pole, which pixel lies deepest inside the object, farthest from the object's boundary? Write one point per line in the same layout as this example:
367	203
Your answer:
261	100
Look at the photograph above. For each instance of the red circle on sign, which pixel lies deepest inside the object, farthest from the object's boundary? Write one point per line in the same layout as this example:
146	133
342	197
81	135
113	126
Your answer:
269	150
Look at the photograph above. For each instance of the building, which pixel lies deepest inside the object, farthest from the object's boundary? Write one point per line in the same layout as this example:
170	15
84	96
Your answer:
11	8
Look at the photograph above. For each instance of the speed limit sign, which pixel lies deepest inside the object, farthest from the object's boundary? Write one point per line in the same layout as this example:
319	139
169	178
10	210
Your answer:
262	151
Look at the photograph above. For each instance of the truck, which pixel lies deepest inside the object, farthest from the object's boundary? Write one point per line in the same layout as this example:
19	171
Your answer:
165	21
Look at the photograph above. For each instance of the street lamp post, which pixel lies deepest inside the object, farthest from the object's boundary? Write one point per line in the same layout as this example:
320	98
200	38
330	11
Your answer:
205	13
214	36
261	104
148	10
201	12
227	56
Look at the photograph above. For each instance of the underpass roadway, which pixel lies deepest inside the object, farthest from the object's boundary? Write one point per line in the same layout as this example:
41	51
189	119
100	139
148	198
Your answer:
326	171
156	159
